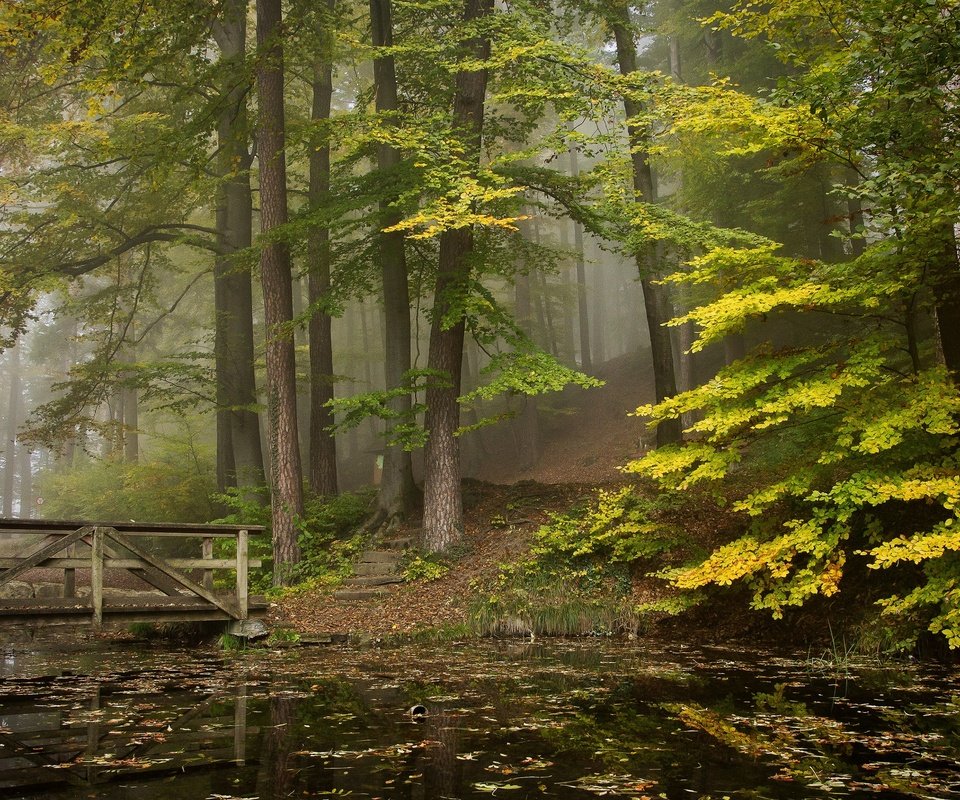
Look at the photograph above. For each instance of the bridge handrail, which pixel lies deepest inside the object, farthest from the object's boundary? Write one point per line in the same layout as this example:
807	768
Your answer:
68	533
131	527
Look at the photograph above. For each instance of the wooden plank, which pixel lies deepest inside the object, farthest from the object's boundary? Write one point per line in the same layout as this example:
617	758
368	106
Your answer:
243	563
134	563
128	526
54	605
96	577
183	580
43	554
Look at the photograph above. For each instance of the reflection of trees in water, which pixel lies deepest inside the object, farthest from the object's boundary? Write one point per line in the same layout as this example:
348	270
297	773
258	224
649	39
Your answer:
440	773
276	776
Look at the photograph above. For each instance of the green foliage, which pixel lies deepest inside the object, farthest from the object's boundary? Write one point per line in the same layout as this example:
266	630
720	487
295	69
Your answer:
327	534
283	637
232	644
620	527
425	567
528	371
172	485
578	575
869	417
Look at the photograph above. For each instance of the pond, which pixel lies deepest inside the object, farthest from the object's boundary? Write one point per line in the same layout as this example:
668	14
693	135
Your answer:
506	719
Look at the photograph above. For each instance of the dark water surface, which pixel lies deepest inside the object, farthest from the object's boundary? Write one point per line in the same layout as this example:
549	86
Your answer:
510	720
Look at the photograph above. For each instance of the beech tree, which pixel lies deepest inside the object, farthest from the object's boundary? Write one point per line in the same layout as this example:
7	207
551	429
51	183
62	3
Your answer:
323	448
443	505
870	409
397	489
275	271
655	296
239	453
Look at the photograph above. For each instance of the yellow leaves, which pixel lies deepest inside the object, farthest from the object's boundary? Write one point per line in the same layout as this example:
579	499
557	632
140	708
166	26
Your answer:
683	467
458	210
729	313
830	577
918	548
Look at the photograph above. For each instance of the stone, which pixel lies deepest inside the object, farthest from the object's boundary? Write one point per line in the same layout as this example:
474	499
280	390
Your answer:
16	589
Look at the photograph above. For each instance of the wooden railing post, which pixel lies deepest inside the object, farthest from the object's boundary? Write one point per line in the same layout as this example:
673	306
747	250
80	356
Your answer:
70	575
243	565
96	577
208	555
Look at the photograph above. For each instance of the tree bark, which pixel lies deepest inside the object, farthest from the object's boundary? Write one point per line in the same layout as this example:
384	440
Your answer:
323	445
655	297
586	361
527	424
239	452
26	484
443	504
14	401
131	421
285	467
398	493
947	307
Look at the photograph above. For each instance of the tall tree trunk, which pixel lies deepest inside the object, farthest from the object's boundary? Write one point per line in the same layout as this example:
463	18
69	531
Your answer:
398	493
443	504
323	445
285	468
527	424
131	421
586	360
26	484
947	306
14	400
567	283
655	298
129	431
597	317
239	450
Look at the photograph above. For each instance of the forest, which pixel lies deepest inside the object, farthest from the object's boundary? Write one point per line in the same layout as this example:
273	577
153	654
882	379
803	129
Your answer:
258	255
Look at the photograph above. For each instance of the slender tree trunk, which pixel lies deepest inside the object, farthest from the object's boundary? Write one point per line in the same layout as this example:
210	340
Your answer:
567	283
598	318
14	400
239	450
734	344
285	468
443	504
26	484
65	457
398	493
131	421
586	360
655	298
323	446
527	425
947	300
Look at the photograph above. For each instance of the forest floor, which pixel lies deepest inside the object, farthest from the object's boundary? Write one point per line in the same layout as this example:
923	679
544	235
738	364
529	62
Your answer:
584	442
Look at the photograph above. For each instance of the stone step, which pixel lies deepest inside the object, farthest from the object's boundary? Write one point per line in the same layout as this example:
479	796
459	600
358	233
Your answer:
373	580
380	556
376	568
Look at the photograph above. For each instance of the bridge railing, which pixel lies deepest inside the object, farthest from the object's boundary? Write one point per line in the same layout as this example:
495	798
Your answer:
69	545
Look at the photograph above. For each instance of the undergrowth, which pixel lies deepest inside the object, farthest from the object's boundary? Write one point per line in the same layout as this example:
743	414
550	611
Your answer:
578	577
327	534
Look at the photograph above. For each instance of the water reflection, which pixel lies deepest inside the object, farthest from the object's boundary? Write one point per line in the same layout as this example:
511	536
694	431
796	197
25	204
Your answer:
556	721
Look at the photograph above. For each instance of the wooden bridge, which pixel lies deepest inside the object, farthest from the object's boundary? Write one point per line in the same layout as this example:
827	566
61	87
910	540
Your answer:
173	588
